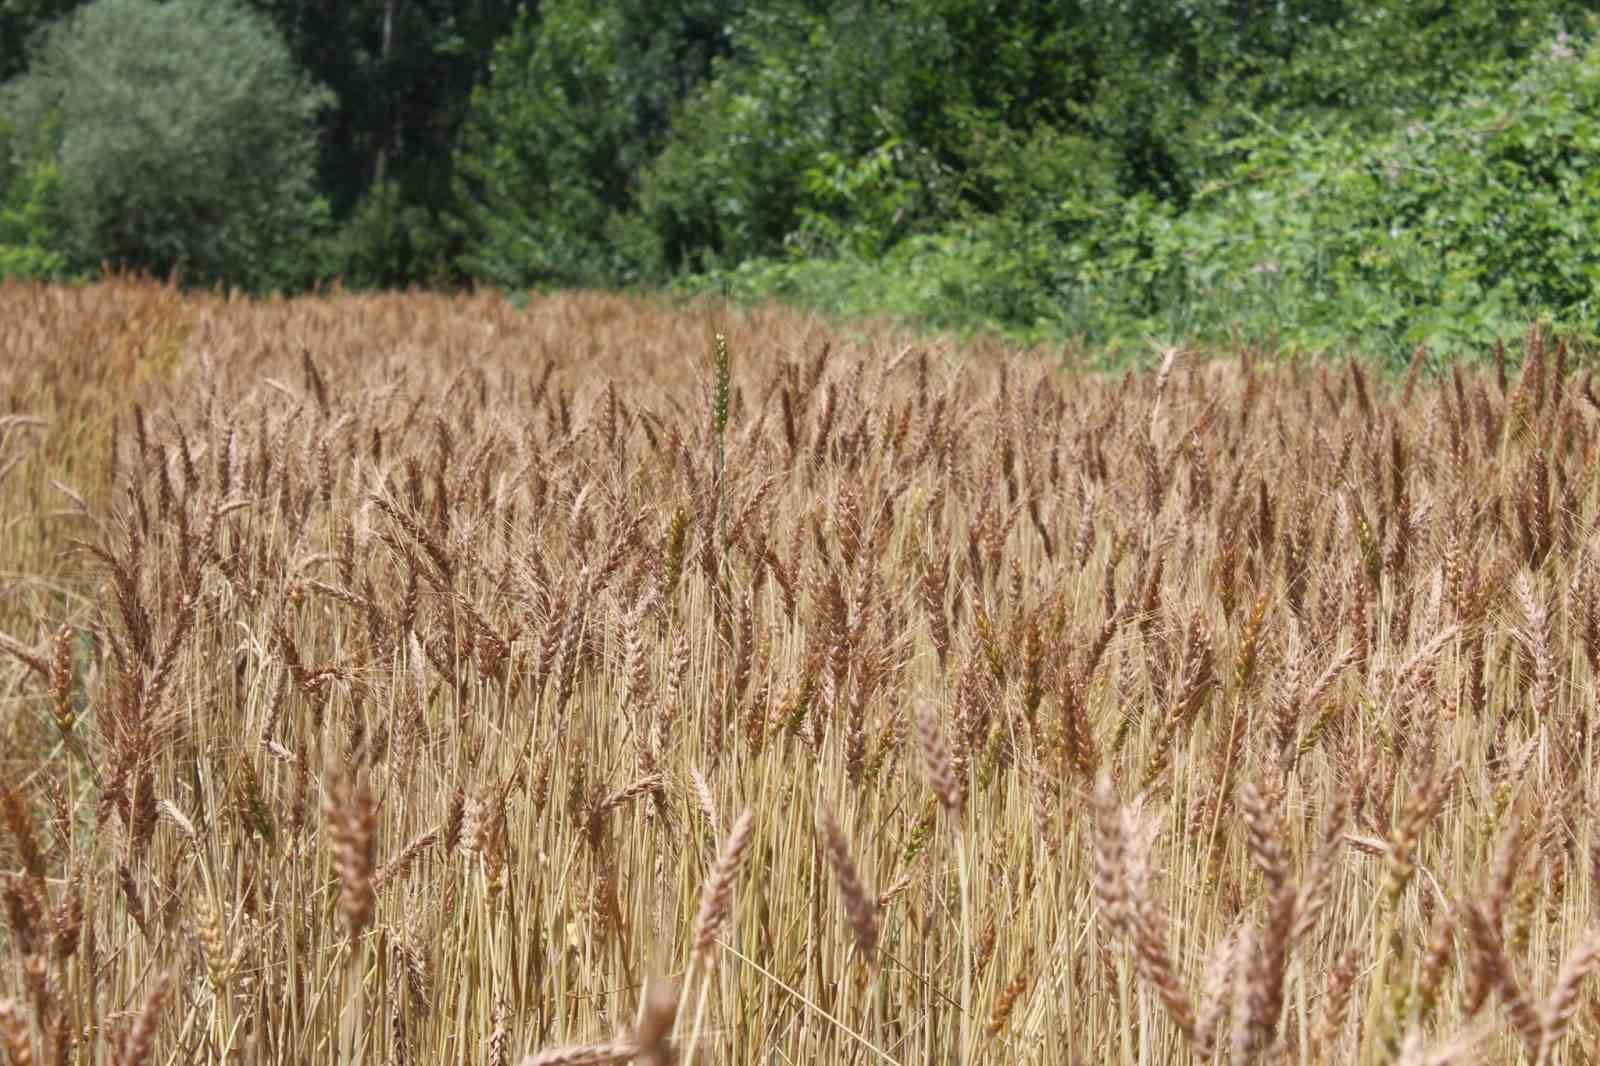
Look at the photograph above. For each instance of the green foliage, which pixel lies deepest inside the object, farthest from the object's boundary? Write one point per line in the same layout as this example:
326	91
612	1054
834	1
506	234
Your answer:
402	73
577	102
385	240
725	187
1322	223
1005	274
29	214
1322	171
539	162
856	205
181	137
1374	59
807	133
20	22
1449	231
671	47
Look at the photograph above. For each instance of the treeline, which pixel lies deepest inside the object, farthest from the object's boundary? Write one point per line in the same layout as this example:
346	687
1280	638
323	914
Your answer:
1324	171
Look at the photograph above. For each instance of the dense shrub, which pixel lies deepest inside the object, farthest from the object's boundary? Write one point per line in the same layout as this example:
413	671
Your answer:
1446	225
1449	231
384	242
29	213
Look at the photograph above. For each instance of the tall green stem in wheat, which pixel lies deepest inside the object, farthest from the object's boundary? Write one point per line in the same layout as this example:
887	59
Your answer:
719	419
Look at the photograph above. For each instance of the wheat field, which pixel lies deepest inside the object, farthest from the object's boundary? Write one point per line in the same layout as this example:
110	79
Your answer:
414	679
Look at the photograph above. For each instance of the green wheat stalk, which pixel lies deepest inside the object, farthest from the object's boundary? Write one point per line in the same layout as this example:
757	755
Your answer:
719	418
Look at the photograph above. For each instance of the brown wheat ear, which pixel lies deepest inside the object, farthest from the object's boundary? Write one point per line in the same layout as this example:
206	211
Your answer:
352	824
716	896
941	766
14	1034
860	908
1562	1003
1495	965
139	1044
1108	848
655	1023
1006	1001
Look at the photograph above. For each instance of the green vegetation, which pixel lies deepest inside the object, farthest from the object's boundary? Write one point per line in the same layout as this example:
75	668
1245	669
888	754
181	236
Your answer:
162	137
1325	172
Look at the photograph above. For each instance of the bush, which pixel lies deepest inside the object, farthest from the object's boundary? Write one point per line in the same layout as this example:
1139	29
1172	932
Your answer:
29	214
1449	231
1450	227
181	137
1068	273
385	242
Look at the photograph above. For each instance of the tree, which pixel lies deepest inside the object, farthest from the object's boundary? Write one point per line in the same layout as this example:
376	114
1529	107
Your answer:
578	101
538	164
402	73
182	137
20	20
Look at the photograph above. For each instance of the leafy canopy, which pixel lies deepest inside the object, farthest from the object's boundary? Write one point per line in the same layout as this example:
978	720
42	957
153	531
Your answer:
179	136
